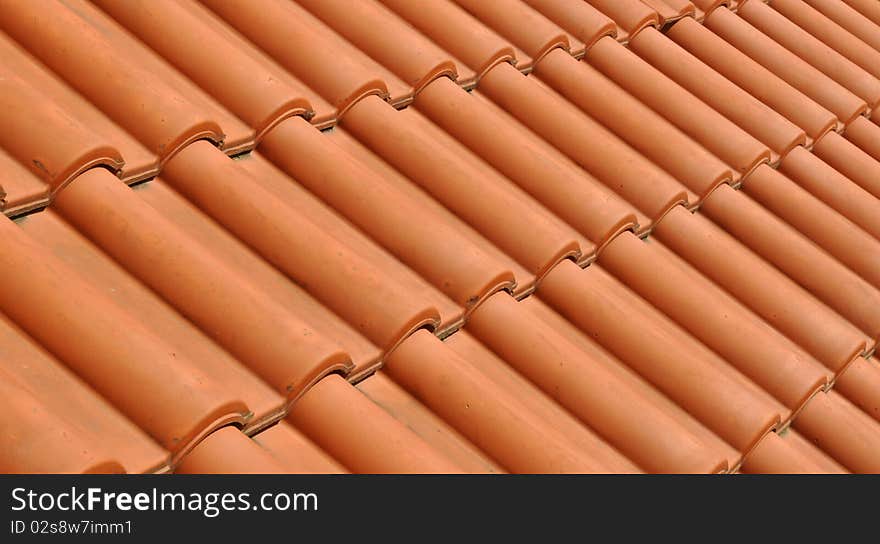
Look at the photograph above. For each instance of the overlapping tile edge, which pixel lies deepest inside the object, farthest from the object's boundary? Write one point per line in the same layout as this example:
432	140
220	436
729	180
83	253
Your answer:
789	264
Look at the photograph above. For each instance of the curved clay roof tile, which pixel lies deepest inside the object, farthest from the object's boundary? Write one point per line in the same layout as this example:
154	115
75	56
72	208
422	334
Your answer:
662	353
644	185
753	78
338	71
759	120
387	39
460	268
282	349
592	393
526	28
108	347
719	135
786	65
232	70
145	96
458	32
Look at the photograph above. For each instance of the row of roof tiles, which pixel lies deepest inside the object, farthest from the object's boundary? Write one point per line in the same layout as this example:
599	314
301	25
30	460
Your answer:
471	224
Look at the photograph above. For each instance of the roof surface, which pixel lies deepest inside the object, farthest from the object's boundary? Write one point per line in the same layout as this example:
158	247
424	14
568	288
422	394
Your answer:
437	236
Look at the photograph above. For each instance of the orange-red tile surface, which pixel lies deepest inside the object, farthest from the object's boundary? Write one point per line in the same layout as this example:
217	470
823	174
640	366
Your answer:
443	236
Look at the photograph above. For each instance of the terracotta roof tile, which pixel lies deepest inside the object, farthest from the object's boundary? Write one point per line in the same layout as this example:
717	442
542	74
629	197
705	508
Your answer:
405	408
463	267
642	128
759	120
338	71
228	451
137	162
233	71
632	16
297	453
496	420
813	454
641	429
57	423
751	77
764	289
866	136
809	47
797	256
49	138
263	277
34	435
670	11
72	248
833	188
584	23
400	48
731	144
53	303
856	18
157	105
829	418
442	166
850	161
859	384
631	378
528	29
785	64
643	184
380	309
866	8
788	455
455	30
663	353
705	311
552	419
832	34
853	246
360	434
282	349
518	236
708	6
541	170
20	190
